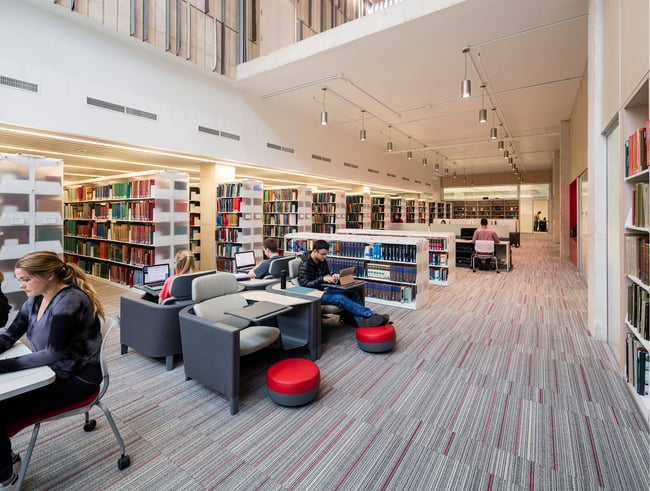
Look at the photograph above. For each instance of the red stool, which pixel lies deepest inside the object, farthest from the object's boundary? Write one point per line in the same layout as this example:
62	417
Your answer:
293	382
376	339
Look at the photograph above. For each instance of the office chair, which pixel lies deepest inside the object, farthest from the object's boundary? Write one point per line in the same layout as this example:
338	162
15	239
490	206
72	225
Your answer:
278	265
213	341
484	249
81	407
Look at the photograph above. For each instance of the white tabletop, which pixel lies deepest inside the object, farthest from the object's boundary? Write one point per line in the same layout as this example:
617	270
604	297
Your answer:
266	295
14	383
312	293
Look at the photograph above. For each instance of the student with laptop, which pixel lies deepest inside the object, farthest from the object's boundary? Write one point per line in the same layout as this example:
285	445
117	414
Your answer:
185	263
315	273
271	252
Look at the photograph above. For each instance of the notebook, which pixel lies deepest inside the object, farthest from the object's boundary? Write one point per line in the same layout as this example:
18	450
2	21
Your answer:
153	277
244	261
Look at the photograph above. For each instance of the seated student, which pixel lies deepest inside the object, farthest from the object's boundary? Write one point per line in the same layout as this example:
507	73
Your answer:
484	233
271	252
185	263
314	271
397	218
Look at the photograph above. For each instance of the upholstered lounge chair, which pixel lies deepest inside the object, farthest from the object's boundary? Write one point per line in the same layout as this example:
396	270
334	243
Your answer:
153	329
213	341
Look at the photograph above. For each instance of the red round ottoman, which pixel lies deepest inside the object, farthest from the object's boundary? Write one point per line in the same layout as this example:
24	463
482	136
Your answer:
293	382
376	339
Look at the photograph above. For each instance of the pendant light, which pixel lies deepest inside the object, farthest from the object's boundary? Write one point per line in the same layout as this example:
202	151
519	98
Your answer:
323	113
493	130
424	159
454	176
466	84
510	161
482	113
506	154
465	176
409	154
437	165
389	145
362	133
500	146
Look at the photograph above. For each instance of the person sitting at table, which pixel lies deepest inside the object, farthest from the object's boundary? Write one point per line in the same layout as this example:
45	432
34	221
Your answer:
61	318
397	218
5	308
484	233
270	250
185	263
314	272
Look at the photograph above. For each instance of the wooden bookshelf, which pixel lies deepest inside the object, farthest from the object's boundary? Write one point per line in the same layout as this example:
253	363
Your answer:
490	209
634	359
379	212
239	213
195	224
115	226
328	212
31	213
395	268
286	211
358	211
397	205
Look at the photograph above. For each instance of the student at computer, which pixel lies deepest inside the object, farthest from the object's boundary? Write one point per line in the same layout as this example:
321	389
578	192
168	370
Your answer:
484	233
271	252
315	273
185	263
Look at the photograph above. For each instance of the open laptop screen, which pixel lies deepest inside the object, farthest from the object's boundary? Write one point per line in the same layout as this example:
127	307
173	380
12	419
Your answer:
244	260
467	233
155	274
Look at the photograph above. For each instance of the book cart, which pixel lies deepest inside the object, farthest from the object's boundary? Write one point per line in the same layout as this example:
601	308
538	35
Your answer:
114	226
395	268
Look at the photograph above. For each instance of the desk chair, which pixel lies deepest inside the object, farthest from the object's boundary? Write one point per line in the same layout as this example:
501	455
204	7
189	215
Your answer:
484	249
81	407
278	265
213	341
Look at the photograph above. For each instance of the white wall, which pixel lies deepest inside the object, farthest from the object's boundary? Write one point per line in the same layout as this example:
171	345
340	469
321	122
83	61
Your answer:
72	58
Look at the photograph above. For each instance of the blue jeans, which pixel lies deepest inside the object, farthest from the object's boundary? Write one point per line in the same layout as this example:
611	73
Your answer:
348	300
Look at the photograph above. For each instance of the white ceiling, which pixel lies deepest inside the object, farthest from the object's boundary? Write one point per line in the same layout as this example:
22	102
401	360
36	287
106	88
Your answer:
531	54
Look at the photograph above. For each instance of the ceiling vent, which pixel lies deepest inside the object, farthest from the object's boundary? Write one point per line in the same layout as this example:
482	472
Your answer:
405	179
118	108
14	83
390	175
418	182
210	131
320	157
278	147
374	171
348	164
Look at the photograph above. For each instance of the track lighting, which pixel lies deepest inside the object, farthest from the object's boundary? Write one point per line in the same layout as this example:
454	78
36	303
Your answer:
447	170
389	145
506	154
424	160
362	133
409	154
500	146
437	166
510	161
482	114
493	130
466	84
323	113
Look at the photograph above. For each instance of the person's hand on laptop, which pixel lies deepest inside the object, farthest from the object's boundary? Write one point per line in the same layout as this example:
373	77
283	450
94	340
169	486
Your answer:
251	274
331	278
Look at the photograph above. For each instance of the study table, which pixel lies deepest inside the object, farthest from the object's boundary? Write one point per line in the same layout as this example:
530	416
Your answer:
300	326
21	381
502	250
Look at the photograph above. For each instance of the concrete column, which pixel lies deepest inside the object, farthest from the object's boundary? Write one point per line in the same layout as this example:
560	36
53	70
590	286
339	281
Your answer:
564	182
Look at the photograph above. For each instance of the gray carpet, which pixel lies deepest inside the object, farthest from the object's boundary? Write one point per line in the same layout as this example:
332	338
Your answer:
497	384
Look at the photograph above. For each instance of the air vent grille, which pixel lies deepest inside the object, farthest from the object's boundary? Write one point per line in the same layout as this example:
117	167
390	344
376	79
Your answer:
118	108
279	147
348	164
203	129
18	84
320	157
210	131
418	182
232	136
404	178
390	175
374	171
141	114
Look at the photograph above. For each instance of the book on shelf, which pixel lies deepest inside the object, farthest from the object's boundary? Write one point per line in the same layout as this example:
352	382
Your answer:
636	151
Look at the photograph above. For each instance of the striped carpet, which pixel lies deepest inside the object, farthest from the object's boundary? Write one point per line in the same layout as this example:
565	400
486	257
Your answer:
497	384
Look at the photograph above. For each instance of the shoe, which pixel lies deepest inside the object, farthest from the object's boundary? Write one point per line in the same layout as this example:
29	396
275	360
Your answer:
386	320
16	462
11	483
374	321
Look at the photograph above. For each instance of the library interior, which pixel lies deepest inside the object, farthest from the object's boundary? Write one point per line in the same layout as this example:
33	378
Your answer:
480	168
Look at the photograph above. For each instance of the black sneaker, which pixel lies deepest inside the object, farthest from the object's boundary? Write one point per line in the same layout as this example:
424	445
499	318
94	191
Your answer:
374	321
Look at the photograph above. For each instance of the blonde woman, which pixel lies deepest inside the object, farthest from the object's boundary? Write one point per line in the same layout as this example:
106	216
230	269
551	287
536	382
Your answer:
61	318
185	263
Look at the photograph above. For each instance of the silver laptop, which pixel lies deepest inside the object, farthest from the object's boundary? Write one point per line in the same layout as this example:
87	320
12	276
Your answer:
244	261
153	277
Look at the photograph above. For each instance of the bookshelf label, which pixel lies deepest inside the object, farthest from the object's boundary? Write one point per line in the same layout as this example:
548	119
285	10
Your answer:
17	220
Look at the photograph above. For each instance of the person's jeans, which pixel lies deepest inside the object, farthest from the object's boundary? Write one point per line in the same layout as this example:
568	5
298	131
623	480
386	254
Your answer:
348	300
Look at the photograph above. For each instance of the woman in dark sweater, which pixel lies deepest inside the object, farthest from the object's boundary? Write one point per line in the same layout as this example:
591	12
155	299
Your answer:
61	319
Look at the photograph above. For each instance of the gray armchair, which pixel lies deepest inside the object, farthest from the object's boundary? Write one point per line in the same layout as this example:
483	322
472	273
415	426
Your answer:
214	341
153	329
294	267
277	265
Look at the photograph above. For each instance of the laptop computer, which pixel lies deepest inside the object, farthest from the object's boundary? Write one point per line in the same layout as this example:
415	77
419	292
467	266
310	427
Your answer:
346	280
153	277
244	262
